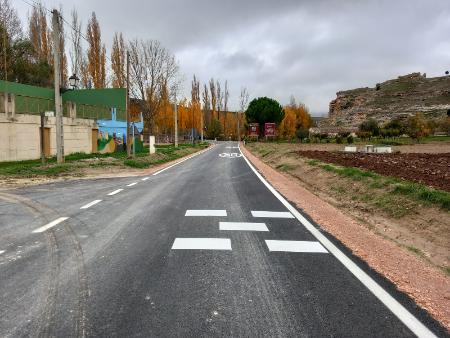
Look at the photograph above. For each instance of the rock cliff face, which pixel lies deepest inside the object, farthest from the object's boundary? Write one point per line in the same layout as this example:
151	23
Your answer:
398	98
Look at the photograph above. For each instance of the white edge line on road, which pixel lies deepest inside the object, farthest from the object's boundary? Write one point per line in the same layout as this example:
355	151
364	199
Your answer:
131	184
390	302
115	192
145	178
90	204
50	225
185	159
2	251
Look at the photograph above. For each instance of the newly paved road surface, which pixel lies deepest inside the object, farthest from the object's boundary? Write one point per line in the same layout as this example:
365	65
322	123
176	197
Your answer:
201	249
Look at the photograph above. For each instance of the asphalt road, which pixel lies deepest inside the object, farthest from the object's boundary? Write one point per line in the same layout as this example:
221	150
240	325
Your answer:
203	248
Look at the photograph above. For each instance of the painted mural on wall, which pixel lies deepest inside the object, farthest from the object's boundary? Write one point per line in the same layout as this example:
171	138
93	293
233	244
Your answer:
112	134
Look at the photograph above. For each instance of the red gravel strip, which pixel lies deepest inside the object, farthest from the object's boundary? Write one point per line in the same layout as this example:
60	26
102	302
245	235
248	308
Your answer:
429	169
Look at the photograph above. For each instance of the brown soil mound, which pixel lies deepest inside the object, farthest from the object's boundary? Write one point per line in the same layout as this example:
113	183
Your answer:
430	169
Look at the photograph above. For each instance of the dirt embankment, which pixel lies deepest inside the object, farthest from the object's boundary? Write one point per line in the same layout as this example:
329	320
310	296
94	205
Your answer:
430	169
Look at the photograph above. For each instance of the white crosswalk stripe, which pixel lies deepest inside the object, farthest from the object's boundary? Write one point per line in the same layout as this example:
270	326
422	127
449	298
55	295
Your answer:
295	246
201	244
272	214
243	226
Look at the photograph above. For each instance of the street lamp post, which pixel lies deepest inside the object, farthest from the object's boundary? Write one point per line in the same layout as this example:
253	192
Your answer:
74	81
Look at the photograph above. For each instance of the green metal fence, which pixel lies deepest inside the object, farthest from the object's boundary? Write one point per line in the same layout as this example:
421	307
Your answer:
91	104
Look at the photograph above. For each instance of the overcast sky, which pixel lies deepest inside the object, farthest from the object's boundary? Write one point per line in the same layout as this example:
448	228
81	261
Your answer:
309	49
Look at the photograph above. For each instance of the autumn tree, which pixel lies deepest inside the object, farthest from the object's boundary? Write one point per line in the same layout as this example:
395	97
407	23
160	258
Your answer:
40	34
212	89
118	60
417	127
296	122
206	106
153	68
195	105
75	50
10	21
243	102
62	51
96	53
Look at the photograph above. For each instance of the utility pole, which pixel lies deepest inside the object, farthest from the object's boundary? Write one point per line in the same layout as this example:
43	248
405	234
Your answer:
57	76
201	123
42	138
128	106
175	121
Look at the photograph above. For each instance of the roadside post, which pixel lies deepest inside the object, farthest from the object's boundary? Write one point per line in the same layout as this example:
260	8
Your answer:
134	143
42	138
151	147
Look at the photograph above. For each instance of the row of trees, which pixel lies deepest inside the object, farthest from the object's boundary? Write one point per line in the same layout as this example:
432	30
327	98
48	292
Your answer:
155	77
416	127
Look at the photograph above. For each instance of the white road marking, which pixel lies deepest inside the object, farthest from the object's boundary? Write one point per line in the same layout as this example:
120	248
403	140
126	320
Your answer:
243	226
201	244
185	159
272	214
2	251
390	302
90	204
295	246
115	192
50	225
205	213
230	155
145	178
131	184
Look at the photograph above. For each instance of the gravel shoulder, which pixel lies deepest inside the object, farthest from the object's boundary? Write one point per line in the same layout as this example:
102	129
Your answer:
409	255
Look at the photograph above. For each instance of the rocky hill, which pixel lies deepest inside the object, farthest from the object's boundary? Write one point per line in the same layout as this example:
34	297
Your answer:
397	98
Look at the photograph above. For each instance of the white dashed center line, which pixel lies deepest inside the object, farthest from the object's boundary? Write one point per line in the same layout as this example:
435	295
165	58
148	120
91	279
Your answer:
90	204
272	214
115	192
131	184
201	244
50	225
295	246
2	251
242	226
206	213
145	178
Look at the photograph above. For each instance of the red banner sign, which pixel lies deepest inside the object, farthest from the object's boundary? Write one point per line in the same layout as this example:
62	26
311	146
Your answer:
269	129
253	129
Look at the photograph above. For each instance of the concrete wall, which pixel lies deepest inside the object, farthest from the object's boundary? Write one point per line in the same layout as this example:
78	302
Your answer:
20	137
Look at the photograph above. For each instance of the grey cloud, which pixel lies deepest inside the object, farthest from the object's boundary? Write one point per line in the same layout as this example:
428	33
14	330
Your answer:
310	49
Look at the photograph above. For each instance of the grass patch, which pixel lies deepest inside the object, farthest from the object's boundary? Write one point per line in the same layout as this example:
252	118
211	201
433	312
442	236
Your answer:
423	193
415	250
313	162
396	187
447	270
285	167
74	162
